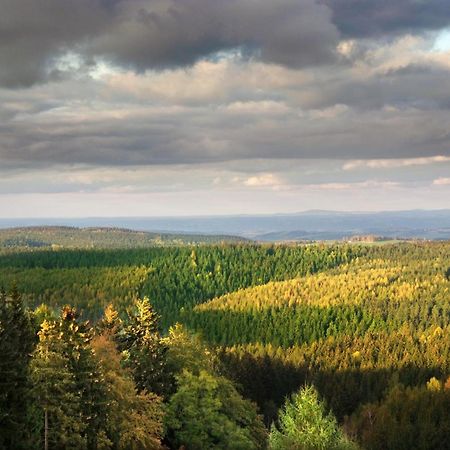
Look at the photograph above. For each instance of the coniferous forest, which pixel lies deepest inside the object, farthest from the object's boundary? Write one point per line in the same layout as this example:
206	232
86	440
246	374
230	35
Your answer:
230	345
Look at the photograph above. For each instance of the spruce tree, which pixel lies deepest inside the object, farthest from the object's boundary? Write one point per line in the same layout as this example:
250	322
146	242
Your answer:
56	390
305	424
144	351
87	373
16	345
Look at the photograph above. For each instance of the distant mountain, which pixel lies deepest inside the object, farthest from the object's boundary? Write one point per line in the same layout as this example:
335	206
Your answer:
309	225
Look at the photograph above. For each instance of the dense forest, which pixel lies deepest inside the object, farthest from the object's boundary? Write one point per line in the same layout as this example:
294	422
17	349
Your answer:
57	237
227	346
174	278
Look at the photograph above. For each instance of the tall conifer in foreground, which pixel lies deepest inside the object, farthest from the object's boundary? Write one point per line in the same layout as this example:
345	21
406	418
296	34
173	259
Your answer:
56	391
89	379
16	345
304	424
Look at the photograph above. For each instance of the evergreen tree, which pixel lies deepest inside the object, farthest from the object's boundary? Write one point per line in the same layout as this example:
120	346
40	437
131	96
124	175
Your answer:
144	351
87	374
55	389
17	341
304	424
110	323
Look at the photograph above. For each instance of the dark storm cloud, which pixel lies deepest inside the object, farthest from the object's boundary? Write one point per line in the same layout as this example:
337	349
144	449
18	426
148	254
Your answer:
369	18
158	33
154	34
174	32
35	32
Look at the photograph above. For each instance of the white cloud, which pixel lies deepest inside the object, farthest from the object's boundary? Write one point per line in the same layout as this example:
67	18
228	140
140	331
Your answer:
394	163
369	184
441	181
264	180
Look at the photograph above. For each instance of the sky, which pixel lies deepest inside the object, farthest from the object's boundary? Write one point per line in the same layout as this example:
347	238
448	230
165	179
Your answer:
204	107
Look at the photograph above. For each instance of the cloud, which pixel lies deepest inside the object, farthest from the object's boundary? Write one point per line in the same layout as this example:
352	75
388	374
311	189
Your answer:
369	184
91	90
263	180
441	181
394	163
368	18
38	35
90	123
35	33
156	34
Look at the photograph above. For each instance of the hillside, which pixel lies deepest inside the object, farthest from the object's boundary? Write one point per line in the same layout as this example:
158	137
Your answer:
174	278
40	237
367	325
354	331
366	295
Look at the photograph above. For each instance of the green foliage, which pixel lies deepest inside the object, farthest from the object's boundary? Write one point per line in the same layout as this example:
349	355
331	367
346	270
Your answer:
268	373
355	299
187	351
143	349
86	288
305	424
43	312
88	375
55	388
69	383
207	412
91	279
354	321
406	418
31	238
134	420
16	345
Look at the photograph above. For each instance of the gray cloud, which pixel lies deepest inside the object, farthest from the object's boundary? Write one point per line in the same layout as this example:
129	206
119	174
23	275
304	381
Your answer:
368	18
410	86
33	33
173	32
385	102
155	34
164	136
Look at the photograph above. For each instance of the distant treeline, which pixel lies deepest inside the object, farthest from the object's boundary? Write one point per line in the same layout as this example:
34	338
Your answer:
29	238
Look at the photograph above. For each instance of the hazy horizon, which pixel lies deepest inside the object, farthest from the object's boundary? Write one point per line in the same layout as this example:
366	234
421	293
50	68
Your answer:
291	213
307	225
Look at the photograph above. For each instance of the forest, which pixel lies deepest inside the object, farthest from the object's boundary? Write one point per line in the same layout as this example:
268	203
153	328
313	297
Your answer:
230	345
58	237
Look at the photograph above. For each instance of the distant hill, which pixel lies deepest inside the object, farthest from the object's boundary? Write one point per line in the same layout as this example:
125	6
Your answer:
98	237
309	225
